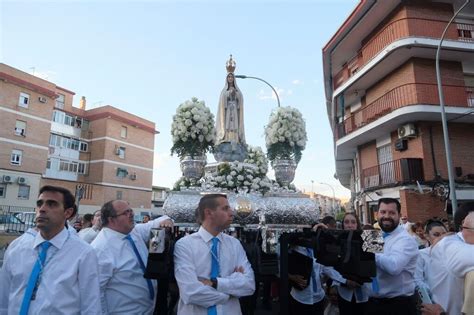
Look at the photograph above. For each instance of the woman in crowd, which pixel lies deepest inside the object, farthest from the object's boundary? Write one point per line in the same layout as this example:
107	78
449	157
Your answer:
351	300
418	233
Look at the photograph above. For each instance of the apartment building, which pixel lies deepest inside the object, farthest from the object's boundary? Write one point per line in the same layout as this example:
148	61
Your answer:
99	154
383	105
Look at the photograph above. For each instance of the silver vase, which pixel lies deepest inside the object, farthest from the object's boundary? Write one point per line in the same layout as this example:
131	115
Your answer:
284	171
193	168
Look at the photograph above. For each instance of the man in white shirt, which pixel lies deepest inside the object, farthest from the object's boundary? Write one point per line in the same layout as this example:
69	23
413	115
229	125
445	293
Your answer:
452	258
50	271
211	268
90	233
122	253
394	287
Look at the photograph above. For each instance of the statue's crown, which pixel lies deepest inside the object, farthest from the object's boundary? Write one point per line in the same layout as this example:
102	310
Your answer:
230	65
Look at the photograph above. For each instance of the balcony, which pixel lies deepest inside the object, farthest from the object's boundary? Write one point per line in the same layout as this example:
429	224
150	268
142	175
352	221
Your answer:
396	30
405	95
393	173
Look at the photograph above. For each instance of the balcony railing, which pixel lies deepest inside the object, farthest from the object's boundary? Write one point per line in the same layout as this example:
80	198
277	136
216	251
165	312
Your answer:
402	28
400	171
406	95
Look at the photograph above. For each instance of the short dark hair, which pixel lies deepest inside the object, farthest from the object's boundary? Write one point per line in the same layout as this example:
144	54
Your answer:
88	217
462	213
431	223
328	220
107	211
207	202
389	201
69	201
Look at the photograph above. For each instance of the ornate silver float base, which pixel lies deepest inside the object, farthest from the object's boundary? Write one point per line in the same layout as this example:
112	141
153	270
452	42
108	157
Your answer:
285	209
193	168
284	171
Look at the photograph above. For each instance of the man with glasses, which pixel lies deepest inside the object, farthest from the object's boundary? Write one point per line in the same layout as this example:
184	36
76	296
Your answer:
452	258
122	254
50	271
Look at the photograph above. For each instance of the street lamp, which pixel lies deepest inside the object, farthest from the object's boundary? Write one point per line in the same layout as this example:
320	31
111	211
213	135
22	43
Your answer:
333	196
447	146
240	76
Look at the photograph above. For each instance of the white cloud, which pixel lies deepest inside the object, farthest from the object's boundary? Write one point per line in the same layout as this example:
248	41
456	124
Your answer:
297	82
262	95
45	75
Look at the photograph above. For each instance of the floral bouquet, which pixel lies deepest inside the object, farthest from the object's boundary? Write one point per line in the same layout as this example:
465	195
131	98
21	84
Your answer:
257	157
285	134
192	129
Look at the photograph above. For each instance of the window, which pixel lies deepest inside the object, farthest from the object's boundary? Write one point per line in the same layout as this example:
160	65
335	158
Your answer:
123	132
119	195
20	128
60	101
48	164
15	158
122	172
3	190
23	192
121	152
83	147
81	168
24	100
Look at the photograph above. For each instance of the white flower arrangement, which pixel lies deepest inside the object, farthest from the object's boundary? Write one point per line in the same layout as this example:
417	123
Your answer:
234	176
285	134
184	183
257	157
192	129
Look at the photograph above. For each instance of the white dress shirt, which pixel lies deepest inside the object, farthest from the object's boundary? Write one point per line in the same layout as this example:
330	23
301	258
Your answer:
69	282
123	289
396	265
88	234
423	268
192	256
451	259
307	295
347	293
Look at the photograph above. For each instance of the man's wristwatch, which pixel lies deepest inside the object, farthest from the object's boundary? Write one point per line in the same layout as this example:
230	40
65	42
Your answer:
214	283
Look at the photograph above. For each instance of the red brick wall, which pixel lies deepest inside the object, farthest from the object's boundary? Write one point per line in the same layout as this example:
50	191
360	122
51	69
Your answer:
420	207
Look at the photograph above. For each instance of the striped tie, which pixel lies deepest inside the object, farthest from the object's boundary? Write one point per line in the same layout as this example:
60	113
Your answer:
32	282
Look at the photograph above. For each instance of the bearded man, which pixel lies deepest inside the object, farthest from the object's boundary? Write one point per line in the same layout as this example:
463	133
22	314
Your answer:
393	290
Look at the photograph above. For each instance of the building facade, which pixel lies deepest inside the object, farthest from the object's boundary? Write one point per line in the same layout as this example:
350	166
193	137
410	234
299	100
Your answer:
99	154
383	105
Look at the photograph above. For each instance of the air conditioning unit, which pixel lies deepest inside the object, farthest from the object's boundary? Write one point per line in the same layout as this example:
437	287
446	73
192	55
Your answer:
7	179
133	176
42	99
22	180
406	131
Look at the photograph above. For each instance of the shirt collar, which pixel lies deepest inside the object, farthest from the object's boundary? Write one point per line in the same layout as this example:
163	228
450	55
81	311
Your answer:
398	229
57	241
459	234
114	233
206	236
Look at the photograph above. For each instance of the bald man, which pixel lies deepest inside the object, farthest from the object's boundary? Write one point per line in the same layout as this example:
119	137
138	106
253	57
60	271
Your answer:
452	258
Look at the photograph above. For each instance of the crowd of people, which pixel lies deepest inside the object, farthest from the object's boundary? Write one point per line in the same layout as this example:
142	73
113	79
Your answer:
97	266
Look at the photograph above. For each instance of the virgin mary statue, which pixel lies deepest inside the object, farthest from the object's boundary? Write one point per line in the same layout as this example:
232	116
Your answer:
230	113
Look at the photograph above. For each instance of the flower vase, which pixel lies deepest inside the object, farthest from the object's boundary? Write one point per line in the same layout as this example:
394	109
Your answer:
284	171
193	168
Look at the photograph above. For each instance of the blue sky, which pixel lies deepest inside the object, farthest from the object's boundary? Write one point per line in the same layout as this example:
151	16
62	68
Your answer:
147	57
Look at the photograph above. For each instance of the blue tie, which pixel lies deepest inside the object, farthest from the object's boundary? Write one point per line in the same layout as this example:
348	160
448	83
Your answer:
212	310
375	283
313	275
142	265
32	282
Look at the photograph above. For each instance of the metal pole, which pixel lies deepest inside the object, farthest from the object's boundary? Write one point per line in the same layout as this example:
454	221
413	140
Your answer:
247	77
447	146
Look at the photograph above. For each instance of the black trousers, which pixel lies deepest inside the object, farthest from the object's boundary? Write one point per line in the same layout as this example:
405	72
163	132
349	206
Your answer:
401	305
350	308
297	308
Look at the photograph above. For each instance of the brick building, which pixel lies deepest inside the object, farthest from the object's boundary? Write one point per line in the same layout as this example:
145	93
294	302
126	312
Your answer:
383	105
100	154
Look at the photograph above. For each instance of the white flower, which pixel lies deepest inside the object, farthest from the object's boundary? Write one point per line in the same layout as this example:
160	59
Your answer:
229	177
240	177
